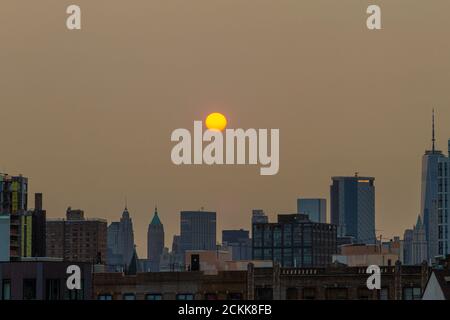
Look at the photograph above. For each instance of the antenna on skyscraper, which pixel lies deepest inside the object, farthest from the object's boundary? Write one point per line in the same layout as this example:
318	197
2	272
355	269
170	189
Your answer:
433	138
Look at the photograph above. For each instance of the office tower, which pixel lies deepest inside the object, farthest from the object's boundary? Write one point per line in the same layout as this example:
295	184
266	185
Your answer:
316	209
77	238
120	242
155	241
258	216
4	237
434	199
198	230
239	242
353	207
126	237
13	201
295	241
419	243
114	257
407	247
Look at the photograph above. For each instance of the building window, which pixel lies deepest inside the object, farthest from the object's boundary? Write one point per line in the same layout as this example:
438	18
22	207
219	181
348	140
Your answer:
29	289
185	296
291	294
384	294
336	293
6	289
52	289
104	297
414	293
263	294
234	296
309	293
211	296
153	296
364	294
129	296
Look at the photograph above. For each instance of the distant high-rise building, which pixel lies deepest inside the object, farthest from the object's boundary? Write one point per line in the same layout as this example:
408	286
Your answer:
353	207
239	242
114	257
121	242
407	247
295	241
258	216
155	242
126	237
198	230
415	244
77	239
177	254
13	202
434	199
419	243
316	209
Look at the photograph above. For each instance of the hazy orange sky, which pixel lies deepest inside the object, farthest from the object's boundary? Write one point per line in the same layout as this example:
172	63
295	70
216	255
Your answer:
87	115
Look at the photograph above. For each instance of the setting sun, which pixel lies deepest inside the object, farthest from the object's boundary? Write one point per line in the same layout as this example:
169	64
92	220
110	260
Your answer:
216	121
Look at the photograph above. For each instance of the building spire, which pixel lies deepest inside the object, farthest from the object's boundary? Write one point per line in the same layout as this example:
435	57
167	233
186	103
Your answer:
432	134
126	203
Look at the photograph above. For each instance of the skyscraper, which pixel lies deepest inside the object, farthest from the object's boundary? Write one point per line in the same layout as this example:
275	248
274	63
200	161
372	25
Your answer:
415	244
353	207
316	209
121	242
155	242
126	237
434	199
198	230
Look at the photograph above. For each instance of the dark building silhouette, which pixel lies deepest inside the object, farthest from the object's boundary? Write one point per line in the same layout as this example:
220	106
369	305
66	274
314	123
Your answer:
239	242
39	227
295	241
120	243
198	230
155	242
353	207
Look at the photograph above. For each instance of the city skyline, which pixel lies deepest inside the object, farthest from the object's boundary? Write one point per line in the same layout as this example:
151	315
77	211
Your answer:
87	115
142	249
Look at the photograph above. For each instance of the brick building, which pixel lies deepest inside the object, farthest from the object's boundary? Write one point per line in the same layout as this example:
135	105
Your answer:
77	238
334	282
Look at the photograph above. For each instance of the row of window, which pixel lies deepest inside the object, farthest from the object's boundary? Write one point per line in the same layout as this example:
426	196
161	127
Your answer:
181	296
53	290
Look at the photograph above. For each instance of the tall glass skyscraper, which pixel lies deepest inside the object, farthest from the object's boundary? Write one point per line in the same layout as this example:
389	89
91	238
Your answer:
198	230
353	207
434	199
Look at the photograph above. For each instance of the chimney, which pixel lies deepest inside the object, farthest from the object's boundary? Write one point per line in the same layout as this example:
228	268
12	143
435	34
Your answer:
38	201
